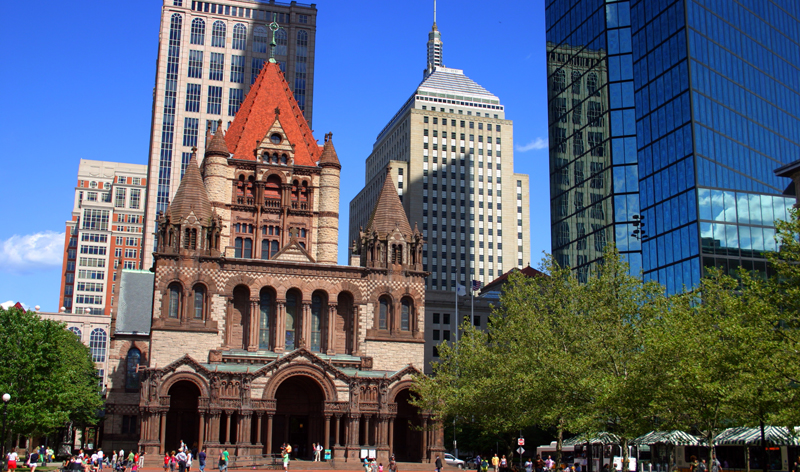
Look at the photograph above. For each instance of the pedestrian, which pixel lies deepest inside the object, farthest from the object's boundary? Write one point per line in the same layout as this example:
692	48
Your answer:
477	461
288	450
503	463
549	463
181	457
528	465
172	461
438	463
373	465
380	467
201	460
100	458
496	463
286	459
484	465
314	451
226	456
392	464
33	461
189	461
318	452
222	464
716	466
166	461
11	459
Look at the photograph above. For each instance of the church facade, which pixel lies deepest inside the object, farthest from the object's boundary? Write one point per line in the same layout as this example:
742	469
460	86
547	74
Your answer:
257	336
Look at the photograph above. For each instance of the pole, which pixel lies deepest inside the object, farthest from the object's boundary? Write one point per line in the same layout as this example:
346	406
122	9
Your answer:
3	461
455	443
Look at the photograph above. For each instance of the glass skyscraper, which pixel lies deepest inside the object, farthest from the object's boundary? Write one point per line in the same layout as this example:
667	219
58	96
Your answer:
698	104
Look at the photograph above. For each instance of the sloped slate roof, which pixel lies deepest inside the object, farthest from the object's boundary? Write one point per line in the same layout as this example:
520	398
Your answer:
135	309
218	146
329	156
255	117
191	196
388	213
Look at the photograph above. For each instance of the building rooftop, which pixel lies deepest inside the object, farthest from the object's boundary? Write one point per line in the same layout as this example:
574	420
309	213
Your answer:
453	80
134	311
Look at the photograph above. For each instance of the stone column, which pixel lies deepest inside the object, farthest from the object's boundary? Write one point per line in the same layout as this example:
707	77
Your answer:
352	449
305	326
424	437
228	320
269	433
259	414
280	326
327	434
202	432
354	328
163	438
255	312
213	427
330	327
228	427
336	430
391	435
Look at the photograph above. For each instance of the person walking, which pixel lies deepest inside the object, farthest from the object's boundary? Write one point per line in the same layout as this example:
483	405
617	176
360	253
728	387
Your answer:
100	458
166	461
33	461
438	463
496	463
11	459
223	465
286	459
201	460
181	457
503	463
528	465
189	458
392	464
226	456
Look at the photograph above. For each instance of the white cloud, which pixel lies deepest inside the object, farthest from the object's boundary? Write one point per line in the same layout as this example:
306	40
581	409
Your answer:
537	143
27	253
9	304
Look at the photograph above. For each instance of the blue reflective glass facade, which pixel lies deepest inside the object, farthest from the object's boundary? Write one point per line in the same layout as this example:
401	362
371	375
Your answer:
594	171
716	102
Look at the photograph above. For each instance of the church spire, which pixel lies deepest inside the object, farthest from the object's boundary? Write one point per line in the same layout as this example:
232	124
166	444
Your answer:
434	46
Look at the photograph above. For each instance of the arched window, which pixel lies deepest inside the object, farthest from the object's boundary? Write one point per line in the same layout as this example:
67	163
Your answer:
239	36
591	84
316	323
260	40
291	315
190	238
576	82
76	330
281	40
385	313
199	301
131	369
273	187
265	304
174	300
405	314
218	34
97	344
198	31
397	254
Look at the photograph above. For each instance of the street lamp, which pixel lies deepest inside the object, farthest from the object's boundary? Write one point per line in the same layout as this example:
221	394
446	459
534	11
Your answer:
6	399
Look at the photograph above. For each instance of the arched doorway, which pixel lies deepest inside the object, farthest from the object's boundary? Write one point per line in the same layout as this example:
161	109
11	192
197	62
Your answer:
183	420
407	444
298	415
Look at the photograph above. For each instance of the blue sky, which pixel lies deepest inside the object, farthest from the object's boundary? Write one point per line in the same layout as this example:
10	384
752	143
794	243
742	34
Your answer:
80	77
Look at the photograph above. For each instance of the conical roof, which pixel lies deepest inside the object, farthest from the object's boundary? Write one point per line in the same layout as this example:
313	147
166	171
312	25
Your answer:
268	98
217	146
329	156
191	196
388	213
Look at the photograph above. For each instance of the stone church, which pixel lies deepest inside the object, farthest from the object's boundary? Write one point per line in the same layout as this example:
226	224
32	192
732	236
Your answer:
257	336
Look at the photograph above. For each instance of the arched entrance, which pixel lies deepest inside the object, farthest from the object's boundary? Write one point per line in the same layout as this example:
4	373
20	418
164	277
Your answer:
298	415
407	444
183	420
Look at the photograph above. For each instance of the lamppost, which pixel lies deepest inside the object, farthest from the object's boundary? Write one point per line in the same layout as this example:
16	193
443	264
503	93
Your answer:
6	399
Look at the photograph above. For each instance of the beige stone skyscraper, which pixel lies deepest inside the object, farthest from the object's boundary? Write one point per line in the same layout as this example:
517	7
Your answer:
451	154
209	54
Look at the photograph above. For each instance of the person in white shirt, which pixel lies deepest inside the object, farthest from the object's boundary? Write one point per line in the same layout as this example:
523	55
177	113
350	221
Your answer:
12	458
100	457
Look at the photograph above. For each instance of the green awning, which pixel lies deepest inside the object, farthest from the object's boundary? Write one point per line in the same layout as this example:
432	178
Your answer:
674	437
774	436
596	438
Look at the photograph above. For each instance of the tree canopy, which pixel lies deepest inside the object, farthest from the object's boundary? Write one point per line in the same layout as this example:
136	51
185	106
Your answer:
48	372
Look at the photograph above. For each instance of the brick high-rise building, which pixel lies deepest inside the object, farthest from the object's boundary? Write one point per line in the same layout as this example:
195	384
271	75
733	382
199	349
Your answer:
209	54
105	230
450	149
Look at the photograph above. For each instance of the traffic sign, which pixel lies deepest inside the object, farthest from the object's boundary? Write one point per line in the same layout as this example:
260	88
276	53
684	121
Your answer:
520	441
520	451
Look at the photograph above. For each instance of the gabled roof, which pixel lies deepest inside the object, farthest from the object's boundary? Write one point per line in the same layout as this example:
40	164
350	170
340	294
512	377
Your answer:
494	284
191	196
388	213
269	97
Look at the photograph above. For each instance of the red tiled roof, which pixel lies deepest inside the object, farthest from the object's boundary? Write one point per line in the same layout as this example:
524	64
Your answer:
269	93
527	271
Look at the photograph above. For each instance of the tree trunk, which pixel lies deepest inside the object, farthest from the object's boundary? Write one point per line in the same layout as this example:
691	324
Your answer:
559	441
764	454
625	455
746	458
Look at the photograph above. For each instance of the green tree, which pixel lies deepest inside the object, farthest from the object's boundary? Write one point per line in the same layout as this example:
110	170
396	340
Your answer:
48	372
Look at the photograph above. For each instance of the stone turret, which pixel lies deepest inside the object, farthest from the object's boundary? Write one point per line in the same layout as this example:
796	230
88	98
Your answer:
328	237
217	175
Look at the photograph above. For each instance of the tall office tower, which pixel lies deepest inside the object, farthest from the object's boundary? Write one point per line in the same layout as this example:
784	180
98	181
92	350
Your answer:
209	54
105	231
673	114
450	150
